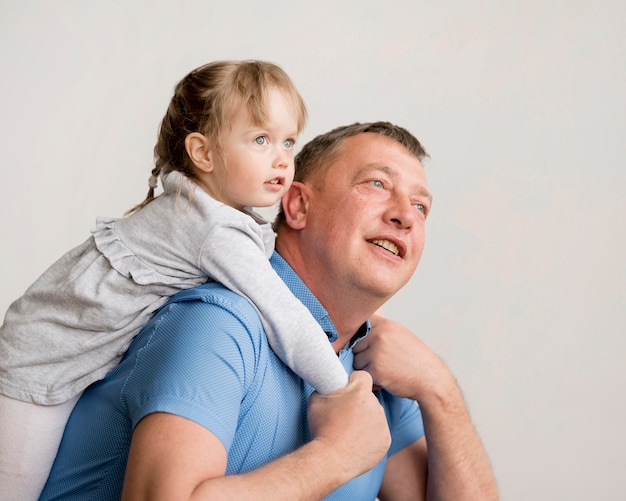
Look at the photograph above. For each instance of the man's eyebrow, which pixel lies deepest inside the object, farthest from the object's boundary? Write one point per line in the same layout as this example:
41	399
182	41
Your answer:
425	193
422	191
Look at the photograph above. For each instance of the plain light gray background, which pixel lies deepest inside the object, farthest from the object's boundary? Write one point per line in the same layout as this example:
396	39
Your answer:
522	106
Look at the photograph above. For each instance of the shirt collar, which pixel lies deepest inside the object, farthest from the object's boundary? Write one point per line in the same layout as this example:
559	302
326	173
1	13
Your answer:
360	334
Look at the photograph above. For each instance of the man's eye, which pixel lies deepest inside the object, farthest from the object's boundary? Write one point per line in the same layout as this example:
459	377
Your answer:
288	143
260	140
378	183
420	207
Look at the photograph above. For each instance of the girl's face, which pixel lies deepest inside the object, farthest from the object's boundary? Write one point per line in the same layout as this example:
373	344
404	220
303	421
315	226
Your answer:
258	166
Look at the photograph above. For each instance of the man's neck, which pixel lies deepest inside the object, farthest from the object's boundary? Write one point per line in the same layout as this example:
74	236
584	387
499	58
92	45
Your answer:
348	310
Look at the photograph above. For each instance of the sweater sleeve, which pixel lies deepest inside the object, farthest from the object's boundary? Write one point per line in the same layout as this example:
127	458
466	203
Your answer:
234	254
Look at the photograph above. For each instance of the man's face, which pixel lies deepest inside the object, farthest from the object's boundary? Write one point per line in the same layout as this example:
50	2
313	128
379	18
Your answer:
366	222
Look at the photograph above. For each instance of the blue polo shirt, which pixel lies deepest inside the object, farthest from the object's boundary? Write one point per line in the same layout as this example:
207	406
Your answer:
205	356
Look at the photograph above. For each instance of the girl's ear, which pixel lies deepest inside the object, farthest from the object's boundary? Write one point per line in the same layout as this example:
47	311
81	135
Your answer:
197	146
296	205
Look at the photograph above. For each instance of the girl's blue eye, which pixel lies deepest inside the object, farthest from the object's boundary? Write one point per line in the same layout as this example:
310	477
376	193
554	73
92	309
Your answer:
260	140
288	143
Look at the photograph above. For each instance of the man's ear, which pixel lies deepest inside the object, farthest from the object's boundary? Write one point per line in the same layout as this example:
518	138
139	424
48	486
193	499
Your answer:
197	146
296	205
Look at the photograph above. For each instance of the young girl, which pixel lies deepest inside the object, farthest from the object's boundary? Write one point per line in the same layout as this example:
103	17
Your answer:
225	144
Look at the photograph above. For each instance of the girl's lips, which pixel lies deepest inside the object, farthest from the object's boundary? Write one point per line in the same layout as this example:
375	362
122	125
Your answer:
275	184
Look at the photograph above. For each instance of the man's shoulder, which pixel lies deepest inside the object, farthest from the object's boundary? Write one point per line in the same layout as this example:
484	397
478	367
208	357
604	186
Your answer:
201	319
216	294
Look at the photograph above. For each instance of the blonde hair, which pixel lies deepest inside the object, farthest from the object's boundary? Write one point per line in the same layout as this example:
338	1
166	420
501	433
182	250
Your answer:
204	102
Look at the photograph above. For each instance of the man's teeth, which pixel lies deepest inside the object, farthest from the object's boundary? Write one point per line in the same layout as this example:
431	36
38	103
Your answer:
387	245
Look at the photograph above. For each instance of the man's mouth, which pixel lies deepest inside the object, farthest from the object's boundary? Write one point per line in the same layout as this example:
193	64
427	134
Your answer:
387	245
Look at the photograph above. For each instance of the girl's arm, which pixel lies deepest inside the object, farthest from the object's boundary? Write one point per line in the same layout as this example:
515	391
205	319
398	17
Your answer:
234	255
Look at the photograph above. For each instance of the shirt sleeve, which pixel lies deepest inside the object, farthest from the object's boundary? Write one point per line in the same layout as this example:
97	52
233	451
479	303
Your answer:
197	364
405	421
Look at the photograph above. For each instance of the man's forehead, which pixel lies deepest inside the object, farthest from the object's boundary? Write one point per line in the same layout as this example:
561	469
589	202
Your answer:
378	145
381	150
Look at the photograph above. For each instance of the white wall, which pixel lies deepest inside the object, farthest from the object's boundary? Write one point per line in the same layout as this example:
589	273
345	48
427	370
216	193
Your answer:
522	105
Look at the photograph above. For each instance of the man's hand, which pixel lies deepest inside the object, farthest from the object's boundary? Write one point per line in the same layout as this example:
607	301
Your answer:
399	361
351	422
458	466
186	461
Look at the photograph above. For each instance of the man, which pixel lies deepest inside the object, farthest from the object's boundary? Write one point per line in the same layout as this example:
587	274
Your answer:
200	408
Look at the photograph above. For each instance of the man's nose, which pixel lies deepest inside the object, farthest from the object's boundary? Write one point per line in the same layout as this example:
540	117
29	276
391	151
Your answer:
401	212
